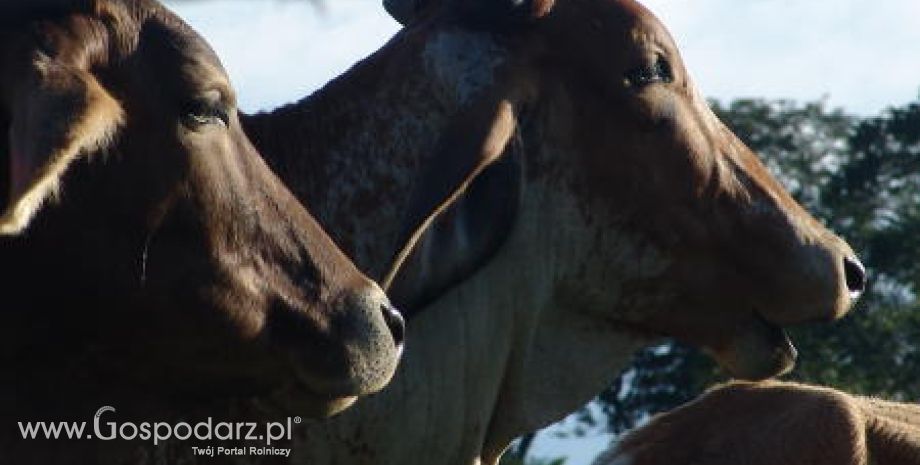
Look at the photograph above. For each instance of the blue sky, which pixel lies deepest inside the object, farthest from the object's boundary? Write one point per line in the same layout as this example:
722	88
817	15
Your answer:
861	57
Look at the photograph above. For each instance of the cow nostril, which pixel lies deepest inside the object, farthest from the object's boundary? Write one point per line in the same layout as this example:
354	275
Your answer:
395	322
855	274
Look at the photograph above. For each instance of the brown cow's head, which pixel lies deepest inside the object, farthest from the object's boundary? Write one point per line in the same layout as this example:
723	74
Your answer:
661	221
145	241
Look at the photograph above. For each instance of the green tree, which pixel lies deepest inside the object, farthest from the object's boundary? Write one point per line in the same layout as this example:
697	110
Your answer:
874	200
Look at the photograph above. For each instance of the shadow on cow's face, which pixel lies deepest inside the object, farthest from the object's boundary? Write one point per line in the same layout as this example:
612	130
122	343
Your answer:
177	259
673	226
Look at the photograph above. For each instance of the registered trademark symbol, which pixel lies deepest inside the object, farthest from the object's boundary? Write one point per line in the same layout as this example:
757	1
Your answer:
297	420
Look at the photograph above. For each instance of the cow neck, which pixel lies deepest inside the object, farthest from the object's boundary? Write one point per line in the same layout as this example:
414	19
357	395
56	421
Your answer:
563	353
350	155
481	365
438	408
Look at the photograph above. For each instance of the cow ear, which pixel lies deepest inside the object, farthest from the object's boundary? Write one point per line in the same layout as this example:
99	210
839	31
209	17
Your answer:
57	112
404	11
472	187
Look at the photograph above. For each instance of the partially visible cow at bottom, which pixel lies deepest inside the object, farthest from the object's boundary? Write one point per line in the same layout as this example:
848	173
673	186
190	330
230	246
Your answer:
149	259
775	423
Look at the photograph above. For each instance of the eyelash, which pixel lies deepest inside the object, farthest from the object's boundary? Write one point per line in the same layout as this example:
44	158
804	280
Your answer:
201	114
646	75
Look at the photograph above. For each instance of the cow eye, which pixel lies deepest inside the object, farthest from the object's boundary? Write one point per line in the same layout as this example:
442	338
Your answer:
203	113
645	75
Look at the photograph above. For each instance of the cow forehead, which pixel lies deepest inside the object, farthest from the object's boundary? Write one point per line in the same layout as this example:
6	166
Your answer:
184	57
158	30
601	24
99	33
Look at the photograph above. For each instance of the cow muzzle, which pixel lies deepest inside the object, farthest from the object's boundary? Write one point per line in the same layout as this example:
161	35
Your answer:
759	347
372	334
351	348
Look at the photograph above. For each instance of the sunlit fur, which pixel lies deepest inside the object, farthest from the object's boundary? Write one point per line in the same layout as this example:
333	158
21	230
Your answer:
775	423
95	116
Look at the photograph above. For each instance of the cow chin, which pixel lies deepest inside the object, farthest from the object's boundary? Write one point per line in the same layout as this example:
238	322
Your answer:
756	351
298	397
331	407
312	405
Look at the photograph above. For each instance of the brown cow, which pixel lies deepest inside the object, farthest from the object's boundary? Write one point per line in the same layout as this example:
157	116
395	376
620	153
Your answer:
150	260
600	205
775	423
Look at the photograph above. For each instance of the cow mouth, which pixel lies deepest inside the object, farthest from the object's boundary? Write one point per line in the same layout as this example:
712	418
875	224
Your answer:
302	395
759	349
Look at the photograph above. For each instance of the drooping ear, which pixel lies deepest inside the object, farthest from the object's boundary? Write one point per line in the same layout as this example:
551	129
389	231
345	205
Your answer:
463	207
57	112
